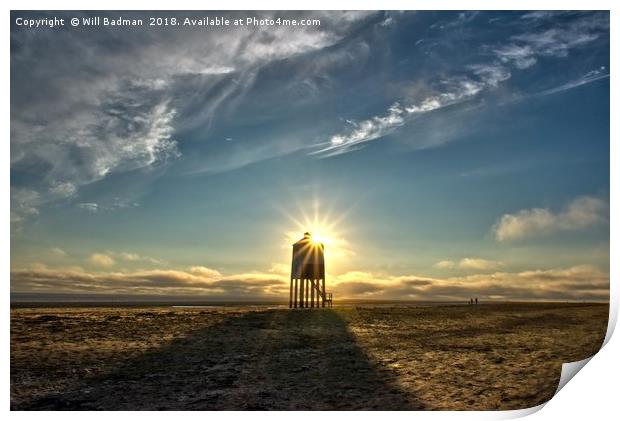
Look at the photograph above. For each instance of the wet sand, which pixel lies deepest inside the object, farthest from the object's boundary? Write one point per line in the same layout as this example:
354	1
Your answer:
388	357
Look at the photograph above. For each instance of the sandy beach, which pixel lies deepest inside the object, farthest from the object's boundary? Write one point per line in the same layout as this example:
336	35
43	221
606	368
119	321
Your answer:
388	357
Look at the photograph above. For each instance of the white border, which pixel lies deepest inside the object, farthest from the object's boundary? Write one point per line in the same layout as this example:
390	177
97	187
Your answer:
593	393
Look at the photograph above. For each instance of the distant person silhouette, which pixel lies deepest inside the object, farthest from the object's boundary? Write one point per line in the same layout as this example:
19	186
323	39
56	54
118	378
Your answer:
476	300
471	301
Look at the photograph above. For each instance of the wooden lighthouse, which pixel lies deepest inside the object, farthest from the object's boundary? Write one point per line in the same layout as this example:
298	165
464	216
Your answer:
308	275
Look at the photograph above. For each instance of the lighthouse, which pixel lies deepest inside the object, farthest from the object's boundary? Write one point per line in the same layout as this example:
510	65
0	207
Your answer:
308	275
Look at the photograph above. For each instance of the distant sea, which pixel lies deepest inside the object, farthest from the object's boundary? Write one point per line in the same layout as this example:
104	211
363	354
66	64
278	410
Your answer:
30	299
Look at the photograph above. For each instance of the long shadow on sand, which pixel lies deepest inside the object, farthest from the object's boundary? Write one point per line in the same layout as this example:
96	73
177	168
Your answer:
264	360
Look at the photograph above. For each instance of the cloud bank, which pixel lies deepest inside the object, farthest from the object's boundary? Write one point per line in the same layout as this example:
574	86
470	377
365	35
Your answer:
573	283
581	213
196	281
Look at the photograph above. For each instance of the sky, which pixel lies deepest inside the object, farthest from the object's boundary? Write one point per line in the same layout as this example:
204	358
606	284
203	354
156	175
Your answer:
438	155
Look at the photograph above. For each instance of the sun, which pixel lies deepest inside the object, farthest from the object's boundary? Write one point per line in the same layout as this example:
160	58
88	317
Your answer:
321	231
320	238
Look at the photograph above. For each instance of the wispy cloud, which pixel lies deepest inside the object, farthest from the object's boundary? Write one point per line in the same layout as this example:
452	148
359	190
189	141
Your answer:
455	90
111	205
591	76
556	42
112	105
522	56
519	52
127	106
581	213
525	49
25	202
88	206
24	205
539	14
462	19
366	130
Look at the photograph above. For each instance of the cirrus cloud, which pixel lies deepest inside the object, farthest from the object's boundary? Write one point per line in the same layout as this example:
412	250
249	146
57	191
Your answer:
89	105
518	52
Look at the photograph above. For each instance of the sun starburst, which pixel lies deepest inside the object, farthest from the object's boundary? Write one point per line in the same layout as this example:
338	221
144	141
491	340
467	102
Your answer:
325	227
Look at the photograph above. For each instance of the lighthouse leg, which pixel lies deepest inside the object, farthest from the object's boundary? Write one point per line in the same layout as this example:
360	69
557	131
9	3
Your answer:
312	293
316	299
305	293
290	295
323	280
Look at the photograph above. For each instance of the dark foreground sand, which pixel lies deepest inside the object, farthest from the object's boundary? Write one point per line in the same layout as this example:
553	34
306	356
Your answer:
496	356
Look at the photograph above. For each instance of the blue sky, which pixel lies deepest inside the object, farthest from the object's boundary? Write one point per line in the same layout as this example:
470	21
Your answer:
442	154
